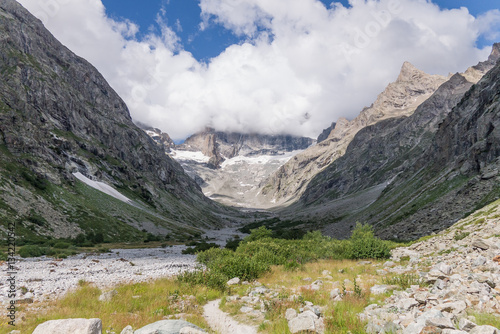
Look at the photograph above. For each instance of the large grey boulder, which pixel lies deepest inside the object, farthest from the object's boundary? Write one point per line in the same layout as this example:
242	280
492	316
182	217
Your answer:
127	330
303	322
70	326
484	330
166	327
481	244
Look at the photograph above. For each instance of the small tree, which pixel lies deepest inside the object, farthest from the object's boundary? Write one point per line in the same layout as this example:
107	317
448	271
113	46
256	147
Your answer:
259	233
364	245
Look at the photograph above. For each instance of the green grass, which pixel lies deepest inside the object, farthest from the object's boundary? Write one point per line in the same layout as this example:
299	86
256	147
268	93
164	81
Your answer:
258	252
486	319
403	281
134	304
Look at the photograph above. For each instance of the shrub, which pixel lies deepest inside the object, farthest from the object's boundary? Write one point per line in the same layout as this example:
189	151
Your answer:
37	219
404	280
61	245
364	245
461	235
212	279
151	237
31	251
258	234
79	239
232	244
199	247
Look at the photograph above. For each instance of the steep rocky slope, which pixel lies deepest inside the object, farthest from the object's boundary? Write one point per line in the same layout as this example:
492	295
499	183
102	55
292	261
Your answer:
422	172
458	274
230	166
400	98
219	146
160	137
59	117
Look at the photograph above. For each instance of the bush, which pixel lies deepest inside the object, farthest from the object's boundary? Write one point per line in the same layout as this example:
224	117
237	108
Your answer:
62	245
258	234
199	247
233	244
31	251
37	219
209	278
461	235
364	245
79	239
151	237
404	280
258	252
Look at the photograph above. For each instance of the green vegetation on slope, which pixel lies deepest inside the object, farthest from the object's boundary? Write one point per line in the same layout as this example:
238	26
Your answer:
258	252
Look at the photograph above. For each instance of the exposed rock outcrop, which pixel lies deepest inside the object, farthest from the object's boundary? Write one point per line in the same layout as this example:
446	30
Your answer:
424	171
399	99
219	146
160	137
59	116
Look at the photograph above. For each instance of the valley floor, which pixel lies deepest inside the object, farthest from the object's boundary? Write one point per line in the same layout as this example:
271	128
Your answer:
447	283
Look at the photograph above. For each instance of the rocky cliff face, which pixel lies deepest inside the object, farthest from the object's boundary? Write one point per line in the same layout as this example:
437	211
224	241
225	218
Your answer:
399	99
414	175
219	146
160	137
58	116
230	166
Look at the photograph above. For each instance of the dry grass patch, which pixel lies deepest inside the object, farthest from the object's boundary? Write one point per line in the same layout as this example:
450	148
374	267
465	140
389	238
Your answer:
134	304
339	271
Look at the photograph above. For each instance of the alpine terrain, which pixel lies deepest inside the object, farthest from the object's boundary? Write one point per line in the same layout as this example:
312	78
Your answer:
230	167
409	175
71	159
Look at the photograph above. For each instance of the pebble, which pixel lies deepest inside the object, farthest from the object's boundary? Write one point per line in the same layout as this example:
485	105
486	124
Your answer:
46	279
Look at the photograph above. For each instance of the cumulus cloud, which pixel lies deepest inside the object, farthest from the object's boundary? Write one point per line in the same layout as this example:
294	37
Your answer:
300	67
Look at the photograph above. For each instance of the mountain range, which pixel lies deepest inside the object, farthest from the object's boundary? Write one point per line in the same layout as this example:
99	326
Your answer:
65	133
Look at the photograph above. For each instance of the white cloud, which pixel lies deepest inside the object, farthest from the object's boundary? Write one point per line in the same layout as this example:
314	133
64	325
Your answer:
302	67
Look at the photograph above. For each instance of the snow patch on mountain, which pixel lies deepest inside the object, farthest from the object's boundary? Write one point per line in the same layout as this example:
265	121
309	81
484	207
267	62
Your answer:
196	156
102	187
260	159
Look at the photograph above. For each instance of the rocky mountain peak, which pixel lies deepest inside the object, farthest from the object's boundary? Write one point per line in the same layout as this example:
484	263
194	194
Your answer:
410	73
219	146
476	72
495	53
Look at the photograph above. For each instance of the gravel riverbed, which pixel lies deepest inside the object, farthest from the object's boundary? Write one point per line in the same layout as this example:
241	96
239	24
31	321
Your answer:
48	278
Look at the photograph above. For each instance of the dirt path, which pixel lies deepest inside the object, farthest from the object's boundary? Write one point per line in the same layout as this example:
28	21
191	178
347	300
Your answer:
222	322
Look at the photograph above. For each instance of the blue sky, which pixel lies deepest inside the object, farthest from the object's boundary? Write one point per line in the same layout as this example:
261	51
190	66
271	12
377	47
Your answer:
184	17
265	66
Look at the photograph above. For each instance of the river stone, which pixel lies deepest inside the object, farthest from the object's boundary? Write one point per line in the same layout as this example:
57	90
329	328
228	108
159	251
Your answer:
127	330
107	296
303	322
233	281
166	327
70	326
484	330
481	244
290	314
453	307
440	323
444	268
190	330
379	289
479	261
414	328
407	303
466	325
